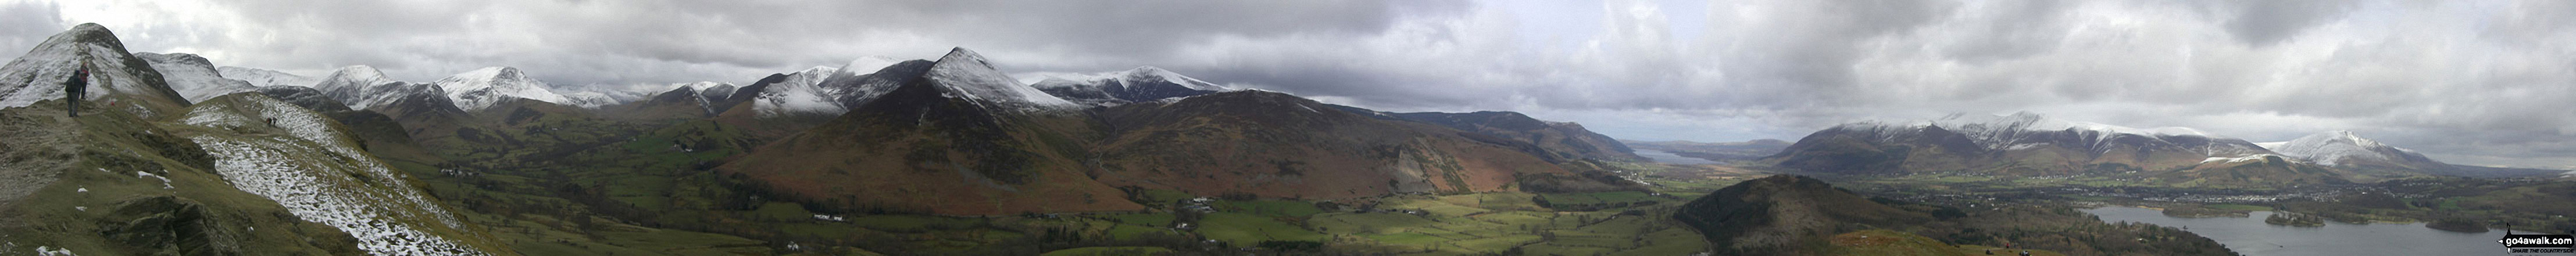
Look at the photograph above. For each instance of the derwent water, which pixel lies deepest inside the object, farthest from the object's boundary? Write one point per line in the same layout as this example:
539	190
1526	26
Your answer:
2250	236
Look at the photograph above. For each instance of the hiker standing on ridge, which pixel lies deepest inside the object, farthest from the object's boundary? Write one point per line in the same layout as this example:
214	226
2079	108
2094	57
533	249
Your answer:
77	87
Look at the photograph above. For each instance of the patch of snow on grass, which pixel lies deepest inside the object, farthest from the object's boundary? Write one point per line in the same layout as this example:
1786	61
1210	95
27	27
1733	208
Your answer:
353	192
165	181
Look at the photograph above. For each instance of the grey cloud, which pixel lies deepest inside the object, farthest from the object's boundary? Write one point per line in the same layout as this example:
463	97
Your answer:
2263	23
31	23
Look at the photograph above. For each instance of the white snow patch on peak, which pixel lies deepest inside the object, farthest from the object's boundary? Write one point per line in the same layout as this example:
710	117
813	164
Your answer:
2245	158
801	92
359	72
697	86
1150	73
1130	77
2327	148
481	88
968	75
193	77
39	74
2027	121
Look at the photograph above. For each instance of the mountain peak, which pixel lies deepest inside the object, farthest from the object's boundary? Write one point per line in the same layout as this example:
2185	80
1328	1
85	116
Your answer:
967	75
485	87
963	56
496	73
2339	146
358	72
87	33
37	75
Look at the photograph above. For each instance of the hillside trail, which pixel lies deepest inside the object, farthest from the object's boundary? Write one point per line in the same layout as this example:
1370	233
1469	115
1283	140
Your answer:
37	143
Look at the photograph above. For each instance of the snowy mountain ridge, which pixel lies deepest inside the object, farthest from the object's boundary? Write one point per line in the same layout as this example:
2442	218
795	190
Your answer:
481	88
968	75
799	93
1142	84
193	77
39	74
2024	130
2340	147
363	87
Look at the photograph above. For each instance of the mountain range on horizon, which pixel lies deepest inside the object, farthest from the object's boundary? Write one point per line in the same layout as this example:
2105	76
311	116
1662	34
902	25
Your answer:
188	158
952	136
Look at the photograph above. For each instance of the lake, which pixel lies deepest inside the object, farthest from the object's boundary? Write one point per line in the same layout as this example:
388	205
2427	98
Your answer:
2250	236
1668	157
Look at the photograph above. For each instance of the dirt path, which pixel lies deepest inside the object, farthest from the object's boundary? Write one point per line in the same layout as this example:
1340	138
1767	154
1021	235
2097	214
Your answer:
35	148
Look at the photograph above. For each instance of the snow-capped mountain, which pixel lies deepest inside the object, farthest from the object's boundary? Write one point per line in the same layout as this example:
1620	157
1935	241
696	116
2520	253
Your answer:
799	94
264	77
363	87
114	73
589	99
826	91
1146	83
193	77
2344	149
2026	130
712	91
2020	142
481	88
968	75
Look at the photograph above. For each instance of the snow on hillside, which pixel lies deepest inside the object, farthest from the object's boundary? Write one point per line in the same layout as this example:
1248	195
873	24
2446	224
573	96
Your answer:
712	90
319	175
969	76
266	78
363	87
2022	130
799	93
589	99
481	88
39	74
1146	83
193	77
2329	147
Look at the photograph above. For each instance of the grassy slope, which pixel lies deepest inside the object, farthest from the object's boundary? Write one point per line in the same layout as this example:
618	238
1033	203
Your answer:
86	210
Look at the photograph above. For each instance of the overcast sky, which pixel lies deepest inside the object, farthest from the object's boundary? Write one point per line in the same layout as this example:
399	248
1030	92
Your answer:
2477	82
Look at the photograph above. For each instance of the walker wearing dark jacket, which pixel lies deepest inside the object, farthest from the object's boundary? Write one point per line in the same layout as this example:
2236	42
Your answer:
75	88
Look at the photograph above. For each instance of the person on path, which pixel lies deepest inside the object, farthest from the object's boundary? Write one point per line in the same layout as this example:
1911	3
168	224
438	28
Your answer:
76	87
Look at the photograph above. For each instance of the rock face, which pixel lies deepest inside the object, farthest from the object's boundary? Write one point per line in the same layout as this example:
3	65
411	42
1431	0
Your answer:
1786	215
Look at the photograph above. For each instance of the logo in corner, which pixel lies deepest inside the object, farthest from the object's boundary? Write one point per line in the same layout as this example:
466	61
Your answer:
2538	243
